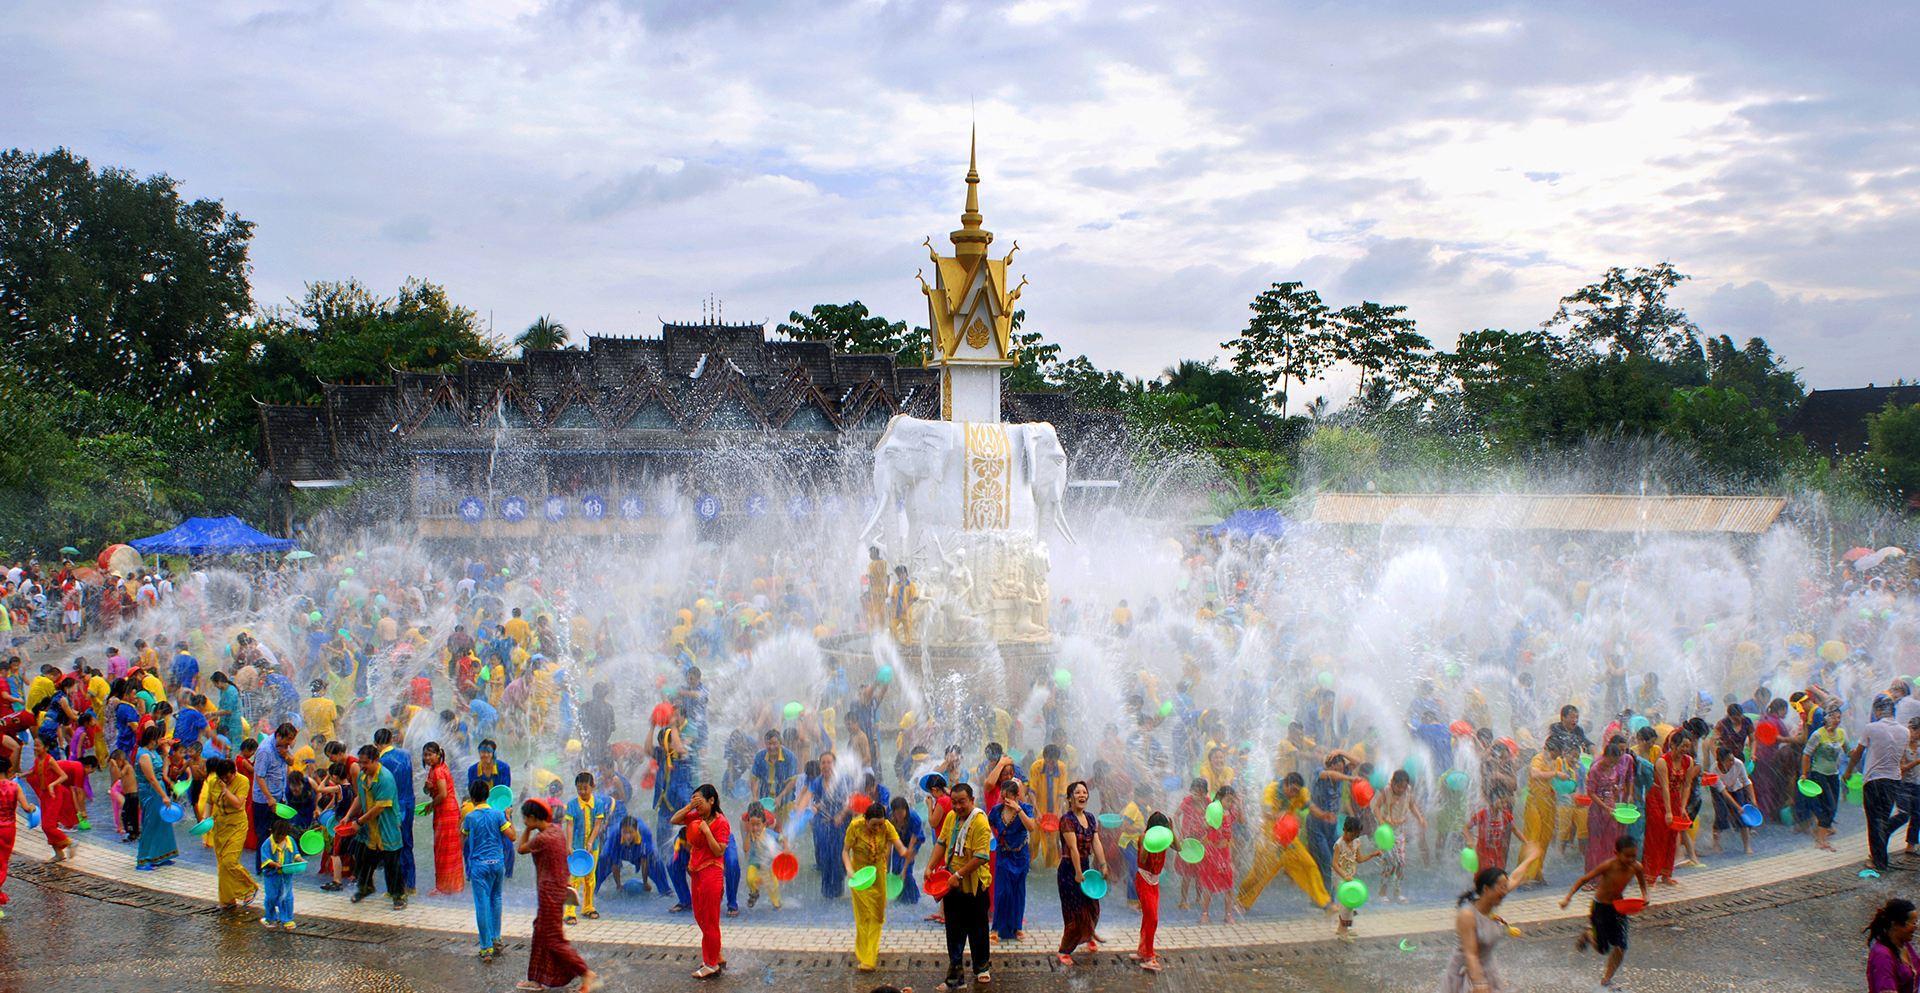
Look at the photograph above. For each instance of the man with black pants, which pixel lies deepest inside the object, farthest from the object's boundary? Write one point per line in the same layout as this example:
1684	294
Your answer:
270	784
377	820
960	850
1884	746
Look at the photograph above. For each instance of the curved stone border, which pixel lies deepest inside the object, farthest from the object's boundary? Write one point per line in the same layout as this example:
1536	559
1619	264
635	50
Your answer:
1535	909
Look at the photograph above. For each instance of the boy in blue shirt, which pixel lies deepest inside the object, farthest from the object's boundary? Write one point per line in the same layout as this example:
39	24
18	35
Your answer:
485	833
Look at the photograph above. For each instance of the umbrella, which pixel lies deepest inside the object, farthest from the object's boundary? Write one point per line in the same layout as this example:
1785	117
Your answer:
1855	553
299	554
69	550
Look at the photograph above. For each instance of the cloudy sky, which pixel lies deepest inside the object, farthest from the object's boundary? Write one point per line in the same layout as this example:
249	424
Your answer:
614	161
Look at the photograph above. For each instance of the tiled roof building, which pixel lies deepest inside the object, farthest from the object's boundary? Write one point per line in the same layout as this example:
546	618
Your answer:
623	417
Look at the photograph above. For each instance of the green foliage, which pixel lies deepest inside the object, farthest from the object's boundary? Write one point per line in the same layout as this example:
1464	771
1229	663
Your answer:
1627	314
1893	447
1034	360
850	327
1286	340
114	283
1339	457
1381	342
544	334
1727	431
1755	371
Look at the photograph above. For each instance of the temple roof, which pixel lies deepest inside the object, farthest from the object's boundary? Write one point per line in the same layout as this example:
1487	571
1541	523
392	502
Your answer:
700	381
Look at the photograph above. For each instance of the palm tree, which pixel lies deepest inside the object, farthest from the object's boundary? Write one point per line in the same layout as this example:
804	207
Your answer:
544	334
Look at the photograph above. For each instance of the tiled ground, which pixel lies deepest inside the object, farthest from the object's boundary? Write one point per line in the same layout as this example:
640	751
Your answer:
1722	877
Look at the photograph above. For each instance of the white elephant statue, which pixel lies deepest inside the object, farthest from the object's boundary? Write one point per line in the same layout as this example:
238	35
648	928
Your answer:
942	476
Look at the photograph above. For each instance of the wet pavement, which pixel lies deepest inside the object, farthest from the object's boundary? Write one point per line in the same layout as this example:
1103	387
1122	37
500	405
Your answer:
66	931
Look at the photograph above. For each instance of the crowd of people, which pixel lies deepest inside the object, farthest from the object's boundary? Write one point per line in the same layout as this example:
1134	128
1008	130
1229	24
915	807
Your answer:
330	717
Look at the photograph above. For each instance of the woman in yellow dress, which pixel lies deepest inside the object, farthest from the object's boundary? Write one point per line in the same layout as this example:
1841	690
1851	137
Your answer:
1542	808
229	804
870	839
1272	858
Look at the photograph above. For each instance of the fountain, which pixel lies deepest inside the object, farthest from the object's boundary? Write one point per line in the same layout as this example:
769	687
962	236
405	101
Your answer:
961	504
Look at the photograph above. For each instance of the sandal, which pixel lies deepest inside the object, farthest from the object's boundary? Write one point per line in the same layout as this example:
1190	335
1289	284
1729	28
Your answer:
592	915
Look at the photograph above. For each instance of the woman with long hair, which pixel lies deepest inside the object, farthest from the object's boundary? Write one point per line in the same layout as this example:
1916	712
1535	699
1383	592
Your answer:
552	960
157	844
1080	851
449	869
1673	775
1609	783
1892	966
1471	969
706	831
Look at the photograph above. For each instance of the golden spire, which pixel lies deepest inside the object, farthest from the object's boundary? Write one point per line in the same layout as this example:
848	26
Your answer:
971	240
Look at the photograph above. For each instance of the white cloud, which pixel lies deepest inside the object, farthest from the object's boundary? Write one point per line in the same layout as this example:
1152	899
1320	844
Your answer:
609	161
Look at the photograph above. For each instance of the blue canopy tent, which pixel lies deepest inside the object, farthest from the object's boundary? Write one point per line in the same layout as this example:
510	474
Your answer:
212	536
1267	521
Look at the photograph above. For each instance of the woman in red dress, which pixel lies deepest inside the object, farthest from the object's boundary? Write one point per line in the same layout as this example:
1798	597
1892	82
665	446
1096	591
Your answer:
1216	870
705	832
1672	784
553	960
49	782
449	859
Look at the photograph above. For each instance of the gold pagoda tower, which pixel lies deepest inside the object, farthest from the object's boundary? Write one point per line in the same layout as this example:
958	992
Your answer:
970	309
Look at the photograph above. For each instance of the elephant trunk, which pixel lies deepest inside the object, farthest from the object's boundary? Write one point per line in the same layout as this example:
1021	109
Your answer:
1059	516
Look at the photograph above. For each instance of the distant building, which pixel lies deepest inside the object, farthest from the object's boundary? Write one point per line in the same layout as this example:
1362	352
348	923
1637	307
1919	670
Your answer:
1834	422
709	420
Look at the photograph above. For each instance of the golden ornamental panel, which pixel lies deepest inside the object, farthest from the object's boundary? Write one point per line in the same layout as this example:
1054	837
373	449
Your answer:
987	478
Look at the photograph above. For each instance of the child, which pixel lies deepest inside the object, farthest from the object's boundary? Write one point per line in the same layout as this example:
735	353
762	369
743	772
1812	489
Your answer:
1146	877
1396	808
632	844
484	836
1492	827
586	819
120	769
1733	790
1346	864
1609	878
281	852
11	797
760	843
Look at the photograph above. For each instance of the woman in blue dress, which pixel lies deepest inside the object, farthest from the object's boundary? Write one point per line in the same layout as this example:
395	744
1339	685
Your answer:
912	829
157	844
1012	823
829	824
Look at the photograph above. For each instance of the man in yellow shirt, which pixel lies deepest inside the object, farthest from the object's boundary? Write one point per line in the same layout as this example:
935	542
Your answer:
517	629
960	847
319	711
41	688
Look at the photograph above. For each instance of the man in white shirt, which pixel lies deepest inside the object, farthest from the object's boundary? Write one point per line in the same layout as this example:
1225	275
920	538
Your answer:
1906	706
1883	745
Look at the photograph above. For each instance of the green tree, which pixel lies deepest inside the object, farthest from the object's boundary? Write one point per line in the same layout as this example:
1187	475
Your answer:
1491	371
355	335
1754	370
1035	360
544	335
1893	447
1380	341
1628	313
112	283
1234	393
1285	341
1727	431
851	328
